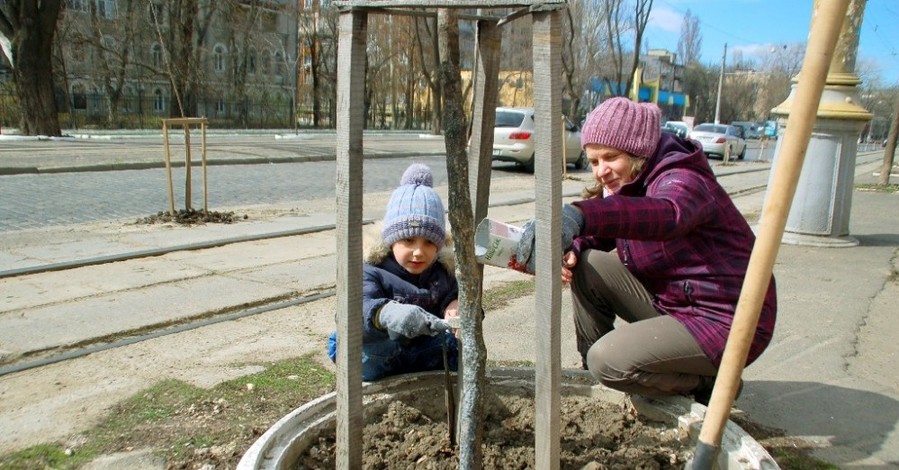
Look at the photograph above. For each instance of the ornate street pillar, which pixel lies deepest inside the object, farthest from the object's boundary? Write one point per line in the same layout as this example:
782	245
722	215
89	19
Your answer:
819	215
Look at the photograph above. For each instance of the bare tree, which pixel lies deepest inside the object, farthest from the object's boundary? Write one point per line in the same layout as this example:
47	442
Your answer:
580	48
613	65
382	53
781	64
642	10
616	25
689	44
27	29
889	150
318	27
741	91
462	223
110	44
244	56
429	59
593	48
183	39
699	83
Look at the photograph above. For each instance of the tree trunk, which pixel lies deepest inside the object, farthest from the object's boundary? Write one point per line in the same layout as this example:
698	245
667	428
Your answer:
462	223
33	70
890	149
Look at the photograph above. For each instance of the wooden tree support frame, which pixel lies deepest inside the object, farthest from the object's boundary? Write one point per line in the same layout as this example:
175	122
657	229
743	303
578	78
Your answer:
186	123
352	42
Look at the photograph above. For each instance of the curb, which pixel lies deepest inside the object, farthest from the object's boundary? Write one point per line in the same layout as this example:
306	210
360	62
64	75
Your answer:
31	170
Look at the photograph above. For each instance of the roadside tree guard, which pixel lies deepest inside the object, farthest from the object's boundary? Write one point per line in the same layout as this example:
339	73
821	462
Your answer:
186	123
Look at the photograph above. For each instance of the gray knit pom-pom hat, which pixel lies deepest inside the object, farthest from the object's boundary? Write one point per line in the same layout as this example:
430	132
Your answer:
415	209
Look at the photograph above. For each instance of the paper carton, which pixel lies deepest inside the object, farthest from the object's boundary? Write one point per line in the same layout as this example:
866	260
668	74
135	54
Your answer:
495	243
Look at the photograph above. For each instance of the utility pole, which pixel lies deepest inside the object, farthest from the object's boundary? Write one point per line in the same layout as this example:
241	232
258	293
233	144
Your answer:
720	85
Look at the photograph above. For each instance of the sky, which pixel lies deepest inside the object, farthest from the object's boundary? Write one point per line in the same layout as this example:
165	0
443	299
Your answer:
754	26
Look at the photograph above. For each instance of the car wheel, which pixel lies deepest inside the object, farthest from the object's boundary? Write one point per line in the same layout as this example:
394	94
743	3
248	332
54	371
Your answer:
581	162
529	166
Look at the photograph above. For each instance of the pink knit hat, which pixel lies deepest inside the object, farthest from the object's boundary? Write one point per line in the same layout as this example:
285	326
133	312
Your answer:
622	124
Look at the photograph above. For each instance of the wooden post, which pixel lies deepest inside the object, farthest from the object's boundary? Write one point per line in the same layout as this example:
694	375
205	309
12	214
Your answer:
168	166
185	124
547	39
187	169
353	25
564	148
205	178
825	30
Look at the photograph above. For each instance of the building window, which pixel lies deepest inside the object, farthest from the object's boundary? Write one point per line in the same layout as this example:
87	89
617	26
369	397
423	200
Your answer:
279	64
269	21
108	42
156	55
79	98
106	9
218	58
96	100
220	106
158	101
251	61
266	62
128	99
156	13
77	5
79	54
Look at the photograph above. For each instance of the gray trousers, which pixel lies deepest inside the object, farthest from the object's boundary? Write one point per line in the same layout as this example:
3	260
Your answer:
652	354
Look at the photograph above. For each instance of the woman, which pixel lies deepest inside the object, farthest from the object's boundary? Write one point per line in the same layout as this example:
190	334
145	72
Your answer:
681	250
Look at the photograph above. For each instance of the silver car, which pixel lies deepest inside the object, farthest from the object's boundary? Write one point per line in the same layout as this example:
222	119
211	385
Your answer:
717	138
513	139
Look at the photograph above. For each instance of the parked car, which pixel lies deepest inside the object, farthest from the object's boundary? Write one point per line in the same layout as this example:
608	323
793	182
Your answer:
716	138
750	129
678	128
513	139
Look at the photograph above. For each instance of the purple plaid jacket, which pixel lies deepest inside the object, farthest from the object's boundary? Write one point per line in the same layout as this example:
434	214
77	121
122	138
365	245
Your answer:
679	233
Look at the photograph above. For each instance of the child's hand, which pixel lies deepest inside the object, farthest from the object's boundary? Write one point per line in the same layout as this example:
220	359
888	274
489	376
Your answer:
410	321
451	315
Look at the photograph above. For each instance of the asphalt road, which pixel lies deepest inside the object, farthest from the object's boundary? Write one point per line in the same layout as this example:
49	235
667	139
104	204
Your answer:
43	200
51	196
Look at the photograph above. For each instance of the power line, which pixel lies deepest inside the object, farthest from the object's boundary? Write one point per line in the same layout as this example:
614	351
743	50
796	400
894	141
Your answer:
708	25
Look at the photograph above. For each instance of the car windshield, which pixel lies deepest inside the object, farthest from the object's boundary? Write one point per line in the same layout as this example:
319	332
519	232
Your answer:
509	119
711	128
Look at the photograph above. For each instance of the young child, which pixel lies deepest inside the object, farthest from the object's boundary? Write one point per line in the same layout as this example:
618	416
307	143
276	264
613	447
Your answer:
408	285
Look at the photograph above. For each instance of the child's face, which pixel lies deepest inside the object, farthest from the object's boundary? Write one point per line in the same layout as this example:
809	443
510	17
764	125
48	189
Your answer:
415	254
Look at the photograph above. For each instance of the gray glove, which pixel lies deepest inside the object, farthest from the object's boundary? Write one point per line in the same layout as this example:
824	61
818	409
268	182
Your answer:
402	320
572	225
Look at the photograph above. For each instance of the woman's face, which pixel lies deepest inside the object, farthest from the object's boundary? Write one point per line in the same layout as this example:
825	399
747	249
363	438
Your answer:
611	167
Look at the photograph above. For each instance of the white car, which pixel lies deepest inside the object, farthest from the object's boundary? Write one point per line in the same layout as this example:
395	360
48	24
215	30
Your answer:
513	139
717	138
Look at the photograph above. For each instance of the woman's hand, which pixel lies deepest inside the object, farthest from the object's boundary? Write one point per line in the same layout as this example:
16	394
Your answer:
569	260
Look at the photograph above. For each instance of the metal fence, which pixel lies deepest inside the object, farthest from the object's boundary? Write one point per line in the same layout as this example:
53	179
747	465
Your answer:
96	111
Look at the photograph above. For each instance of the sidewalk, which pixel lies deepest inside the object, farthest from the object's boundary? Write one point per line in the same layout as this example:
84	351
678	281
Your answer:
829	376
